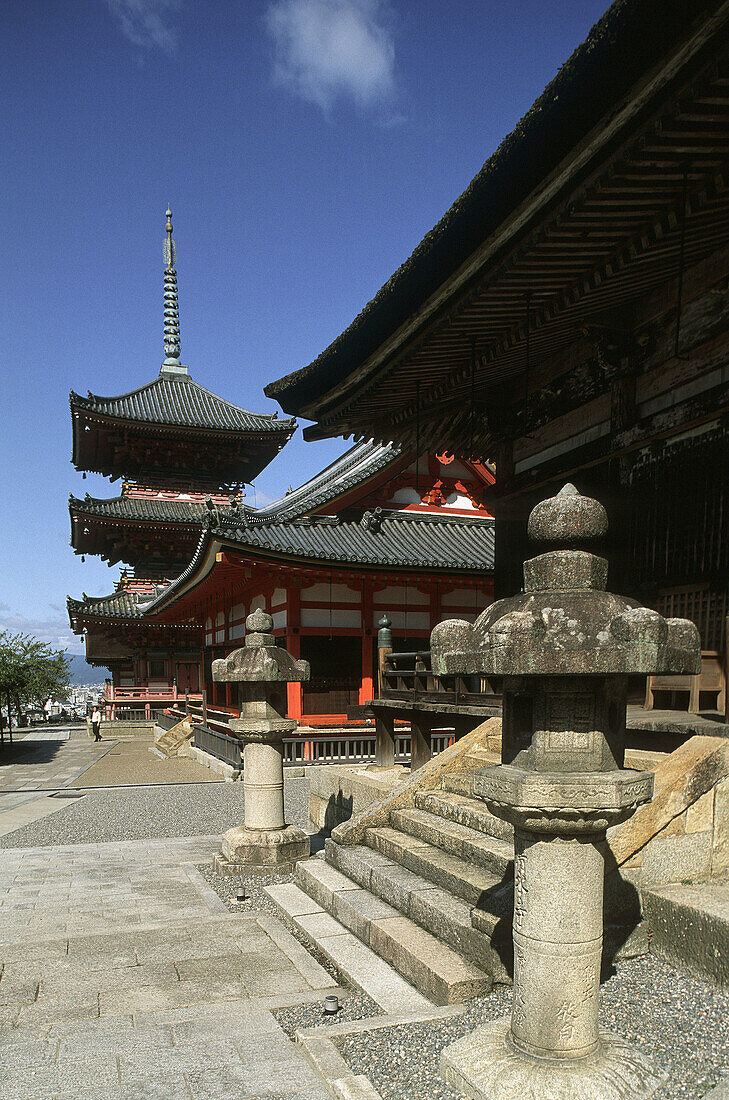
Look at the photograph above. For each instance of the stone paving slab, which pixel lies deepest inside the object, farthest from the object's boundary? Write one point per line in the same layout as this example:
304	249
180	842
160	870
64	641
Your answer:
121	979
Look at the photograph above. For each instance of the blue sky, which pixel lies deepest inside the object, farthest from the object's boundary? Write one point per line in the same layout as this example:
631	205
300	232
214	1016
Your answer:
305	146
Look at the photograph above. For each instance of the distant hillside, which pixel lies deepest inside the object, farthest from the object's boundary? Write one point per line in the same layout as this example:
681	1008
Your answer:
81	673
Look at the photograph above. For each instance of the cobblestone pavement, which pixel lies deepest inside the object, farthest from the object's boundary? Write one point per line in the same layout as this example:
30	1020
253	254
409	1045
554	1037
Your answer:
124	976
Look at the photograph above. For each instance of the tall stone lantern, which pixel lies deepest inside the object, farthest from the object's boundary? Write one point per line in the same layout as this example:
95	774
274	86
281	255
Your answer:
563	650
261	669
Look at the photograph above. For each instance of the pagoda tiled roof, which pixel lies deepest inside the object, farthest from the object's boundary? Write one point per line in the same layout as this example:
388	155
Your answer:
118	606
140	508
179	401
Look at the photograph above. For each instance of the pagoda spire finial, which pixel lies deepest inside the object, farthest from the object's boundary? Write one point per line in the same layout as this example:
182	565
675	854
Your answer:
171	307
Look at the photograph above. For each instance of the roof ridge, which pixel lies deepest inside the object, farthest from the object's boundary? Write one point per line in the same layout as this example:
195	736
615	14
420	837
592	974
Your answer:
306	495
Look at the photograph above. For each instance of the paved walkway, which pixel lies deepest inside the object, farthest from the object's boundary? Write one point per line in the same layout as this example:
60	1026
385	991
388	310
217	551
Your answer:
55	759
124	976
44	761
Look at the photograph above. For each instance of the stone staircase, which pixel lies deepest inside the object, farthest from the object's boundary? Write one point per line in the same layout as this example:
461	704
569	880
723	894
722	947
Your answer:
429	890
172	740
423	876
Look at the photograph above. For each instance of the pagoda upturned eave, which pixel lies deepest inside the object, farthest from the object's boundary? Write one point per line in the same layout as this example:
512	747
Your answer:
174	428
134	530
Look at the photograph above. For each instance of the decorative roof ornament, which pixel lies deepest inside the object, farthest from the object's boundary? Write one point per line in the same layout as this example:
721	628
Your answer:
171	306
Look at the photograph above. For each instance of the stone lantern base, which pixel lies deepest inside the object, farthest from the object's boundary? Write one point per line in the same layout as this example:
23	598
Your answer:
264	851
486	1065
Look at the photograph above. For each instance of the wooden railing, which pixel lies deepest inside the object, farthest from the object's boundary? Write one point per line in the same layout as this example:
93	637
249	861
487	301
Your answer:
409	677
143	694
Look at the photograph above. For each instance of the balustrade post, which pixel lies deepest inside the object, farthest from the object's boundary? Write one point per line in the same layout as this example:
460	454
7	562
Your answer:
385	741
384	647
420	733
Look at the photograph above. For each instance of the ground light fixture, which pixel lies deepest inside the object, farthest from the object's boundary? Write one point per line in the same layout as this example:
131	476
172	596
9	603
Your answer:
331	1005
240	894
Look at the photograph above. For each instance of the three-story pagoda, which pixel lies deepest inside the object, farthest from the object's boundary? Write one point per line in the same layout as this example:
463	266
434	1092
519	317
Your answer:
179	449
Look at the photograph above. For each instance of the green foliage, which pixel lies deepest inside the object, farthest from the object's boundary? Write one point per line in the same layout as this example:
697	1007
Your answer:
31	671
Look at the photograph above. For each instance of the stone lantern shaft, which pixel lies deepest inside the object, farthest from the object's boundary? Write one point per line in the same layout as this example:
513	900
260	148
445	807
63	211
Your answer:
563	649
261	671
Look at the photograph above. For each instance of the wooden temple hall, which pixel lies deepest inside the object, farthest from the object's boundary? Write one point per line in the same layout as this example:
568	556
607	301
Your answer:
380	531
569	318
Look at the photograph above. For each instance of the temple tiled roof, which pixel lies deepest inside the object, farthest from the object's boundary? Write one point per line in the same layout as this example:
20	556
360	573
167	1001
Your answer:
625	45
385	540
177	400
358	465
139	508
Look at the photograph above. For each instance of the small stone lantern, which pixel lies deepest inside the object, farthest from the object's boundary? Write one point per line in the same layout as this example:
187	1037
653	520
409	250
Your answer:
563	650
261	669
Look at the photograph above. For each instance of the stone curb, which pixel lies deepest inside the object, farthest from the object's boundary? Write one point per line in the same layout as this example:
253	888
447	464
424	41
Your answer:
307	966
206	892
353	960
323	1052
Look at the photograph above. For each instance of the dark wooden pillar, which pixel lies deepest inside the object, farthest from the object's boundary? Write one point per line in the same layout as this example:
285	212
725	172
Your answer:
420	749
385	743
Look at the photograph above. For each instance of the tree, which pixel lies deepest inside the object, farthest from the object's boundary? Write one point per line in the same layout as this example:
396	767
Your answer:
31	671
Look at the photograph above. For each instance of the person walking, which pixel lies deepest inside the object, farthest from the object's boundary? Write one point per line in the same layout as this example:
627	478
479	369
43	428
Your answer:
96	722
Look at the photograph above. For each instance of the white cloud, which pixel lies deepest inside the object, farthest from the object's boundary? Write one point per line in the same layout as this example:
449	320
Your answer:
331	48
54	630
146	23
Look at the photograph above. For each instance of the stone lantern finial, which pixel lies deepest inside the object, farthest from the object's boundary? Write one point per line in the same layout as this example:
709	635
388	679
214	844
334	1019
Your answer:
563	650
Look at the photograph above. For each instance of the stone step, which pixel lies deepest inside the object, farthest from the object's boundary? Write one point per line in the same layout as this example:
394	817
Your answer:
358	965
480	758
460	840
446	917
457	876
471	812
448	968
690	923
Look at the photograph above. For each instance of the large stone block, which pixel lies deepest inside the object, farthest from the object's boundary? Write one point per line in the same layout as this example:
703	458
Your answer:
680	781
683	858
720	845
691	927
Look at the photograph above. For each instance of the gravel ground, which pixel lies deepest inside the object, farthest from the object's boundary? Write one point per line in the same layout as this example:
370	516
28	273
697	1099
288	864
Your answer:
356	1006
681	1023
130	762
139	813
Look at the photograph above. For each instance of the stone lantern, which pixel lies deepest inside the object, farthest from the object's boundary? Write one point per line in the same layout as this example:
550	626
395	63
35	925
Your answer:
563	650
261	669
